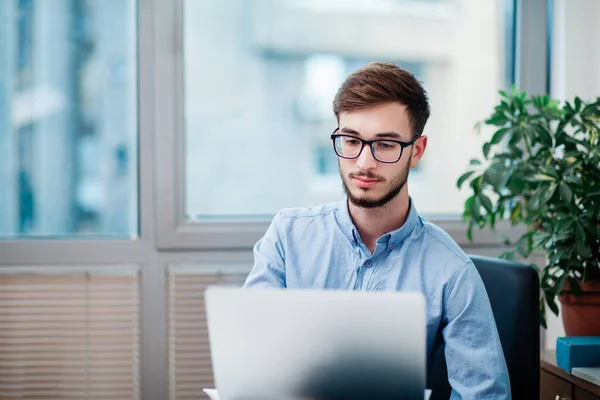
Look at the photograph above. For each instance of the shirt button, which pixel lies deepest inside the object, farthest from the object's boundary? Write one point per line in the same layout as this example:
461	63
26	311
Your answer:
368	264
392	246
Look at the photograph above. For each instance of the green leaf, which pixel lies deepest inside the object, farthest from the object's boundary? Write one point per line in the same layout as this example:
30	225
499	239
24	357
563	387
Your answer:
515	213
492	220
565	192
551	301
516	137
475	210
477	184
574	286
514	91
550	171
580	231
474	162
560	284
494	175
544	136
574	180
516	183
499	135
516	151
564	224
470	231
540	239
463	178
583	250
486	150
574	164
486	203
534	202
550	192
498	119
554	104
543	177
542	309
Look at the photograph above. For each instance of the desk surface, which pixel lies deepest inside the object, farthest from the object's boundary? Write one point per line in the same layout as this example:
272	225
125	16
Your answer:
548	363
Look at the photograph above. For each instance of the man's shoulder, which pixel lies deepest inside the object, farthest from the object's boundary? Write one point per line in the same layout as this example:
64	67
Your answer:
447	264
443	244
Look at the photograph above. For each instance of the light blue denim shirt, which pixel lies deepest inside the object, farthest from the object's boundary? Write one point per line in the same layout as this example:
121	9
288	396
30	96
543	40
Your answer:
319	247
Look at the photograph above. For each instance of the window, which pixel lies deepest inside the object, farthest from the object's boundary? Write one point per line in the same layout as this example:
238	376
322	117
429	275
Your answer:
68	151
259	80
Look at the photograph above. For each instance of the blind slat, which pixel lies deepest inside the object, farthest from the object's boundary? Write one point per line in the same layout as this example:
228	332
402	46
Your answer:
75	333
59	318
56	348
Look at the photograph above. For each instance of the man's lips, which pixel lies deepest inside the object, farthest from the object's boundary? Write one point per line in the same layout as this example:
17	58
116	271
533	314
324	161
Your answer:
365	182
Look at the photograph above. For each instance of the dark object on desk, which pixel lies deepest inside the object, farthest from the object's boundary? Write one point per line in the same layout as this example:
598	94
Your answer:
578	351
556	382
514	293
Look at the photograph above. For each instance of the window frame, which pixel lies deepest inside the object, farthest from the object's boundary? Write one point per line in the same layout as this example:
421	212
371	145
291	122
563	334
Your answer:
530	71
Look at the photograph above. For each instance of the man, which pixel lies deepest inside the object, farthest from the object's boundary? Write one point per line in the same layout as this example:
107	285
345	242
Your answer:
375	240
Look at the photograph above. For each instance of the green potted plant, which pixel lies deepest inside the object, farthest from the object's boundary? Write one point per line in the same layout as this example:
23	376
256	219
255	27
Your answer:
541	170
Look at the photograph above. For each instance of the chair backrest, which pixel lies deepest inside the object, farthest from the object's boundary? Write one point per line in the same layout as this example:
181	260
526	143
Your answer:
514	294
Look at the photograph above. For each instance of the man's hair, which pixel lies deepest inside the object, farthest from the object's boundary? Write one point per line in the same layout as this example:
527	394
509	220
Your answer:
380	82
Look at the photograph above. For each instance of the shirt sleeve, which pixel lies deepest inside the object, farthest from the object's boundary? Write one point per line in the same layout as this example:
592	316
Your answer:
269	259
474	356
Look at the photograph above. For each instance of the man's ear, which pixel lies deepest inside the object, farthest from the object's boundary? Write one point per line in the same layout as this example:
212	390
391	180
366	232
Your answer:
419	147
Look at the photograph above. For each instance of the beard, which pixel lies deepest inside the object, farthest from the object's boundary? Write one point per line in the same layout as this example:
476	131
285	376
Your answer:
392	190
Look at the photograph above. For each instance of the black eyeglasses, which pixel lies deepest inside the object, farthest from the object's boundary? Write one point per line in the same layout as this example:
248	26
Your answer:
383	150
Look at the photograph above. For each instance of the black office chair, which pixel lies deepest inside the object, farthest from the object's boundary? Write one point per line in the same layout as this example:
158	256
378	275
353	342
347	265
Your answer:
514	292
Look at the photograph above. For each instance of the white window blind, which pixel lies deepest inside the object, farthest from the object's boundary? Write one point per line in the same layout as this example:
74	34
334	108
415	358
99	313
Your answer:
190	364
69	335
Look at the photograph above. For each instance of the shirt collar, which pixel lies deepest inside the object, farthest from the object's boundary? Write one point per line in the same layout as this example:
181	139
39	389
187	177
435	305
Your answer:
394	237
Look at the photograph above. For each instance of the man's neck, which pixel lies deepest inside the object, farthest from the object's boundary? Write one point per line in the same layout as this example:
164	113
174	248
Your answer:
372	223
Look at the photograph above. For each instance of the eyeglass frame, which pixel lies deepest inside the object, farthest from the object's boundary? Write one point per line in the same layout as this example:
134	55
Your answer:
402	144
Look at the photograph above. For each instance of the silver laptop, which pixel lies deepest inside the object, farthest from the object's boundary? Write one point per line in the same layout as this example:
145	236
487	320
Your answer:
316	344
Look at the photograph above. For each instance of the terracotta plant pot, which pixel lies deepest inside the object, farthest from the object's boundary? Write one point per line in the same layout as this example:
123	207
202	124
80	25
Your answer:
581	316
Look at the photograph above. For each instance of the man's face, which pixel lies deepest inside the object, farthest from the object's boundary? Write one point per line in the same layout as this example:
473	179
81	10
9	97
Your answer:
369	183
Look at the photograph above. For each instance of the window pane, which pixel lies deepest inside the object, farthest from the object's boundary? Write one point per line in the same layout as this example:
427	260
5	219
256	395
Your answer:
68	124
260	77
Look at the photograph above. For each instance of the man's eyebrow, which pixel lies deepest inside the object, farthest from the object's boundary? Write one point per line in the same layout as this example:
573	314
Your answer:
350	131
390	134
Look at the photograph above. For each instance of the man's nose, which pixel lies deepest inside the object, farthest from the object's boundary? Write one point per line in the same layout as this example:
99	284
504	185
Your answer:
365	159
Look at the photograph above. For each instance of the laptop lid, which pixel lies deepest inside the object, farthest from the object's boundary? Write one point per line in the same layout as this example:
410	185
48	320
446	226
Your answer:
316	344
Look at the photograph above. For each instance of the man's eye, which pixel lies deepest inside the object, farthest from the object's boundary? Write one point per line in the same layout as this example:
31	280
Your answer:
352	142
386	145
